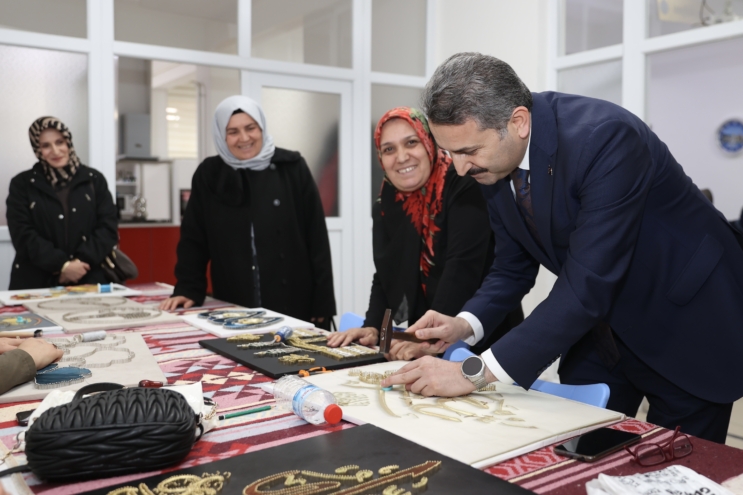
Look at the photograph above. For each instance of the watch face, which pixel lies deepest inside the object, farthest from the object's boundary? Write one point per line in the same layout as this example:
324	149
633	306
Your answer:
471	366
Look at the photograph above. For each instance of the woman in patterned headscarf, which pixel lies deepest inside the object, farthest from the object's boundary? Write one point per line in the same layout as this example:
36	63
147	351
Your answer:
432	241
61	215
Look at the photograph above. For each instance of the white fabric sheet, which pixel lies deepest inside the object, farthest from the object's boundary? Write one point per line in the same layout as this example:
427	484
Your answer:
142	367
59	310
6	296
220	331
537	419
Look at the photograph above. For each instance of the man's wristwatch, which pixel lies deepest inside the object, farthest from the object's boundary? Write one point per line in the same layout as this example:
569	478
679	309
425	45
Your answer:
473	369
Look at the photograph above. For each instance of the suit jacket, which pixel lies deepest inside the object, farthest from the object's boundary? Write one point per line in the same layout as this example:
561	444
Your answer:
634	244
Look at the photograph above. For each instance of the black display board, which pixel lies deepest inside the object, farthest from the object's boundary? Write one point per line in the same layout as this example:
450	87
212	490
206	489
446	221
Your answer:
367	447
270	366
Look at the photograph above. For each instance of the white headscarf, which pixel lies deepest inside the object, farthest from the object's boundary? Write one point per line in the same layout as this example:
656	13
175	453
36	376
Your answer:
222	116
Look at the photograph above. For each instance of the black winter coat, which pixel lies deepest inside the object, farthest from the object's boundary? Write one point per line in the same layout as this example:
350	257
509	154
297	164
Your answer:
37	227
291	238
463	255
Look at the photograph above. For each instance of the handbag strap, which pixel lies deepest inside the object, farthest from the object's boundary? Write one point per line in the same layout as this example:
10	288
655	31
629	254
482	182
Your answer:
17	469
95	387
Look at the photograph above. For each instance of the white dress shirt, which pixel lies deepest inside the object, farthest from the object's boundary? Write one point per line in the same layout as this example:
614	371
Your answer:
474	322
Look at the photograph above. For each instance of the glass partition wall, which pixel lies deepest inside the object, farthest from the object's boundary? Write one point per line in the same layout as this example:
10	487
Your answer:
669	62
324	70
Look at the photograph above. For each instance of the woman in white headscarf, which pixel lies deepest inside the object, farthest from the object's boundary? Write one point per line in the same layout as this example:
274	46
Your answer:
255	214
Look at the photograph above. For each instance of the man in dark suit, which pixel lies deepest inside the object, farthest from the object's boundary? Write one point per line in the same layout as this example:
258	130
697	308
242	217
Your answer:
649	294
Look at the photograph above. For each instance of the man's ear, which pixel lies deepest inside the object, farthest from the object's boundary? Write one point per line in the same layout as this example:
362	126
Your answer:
521	120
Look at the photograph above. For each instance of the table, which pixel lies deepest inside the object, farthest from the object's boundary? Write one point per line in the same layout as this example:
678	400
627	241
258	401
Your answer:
176	348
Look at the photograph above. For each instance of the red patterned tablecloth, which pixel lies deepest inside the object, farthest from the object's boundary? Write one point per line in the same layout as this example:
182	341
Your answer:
176	348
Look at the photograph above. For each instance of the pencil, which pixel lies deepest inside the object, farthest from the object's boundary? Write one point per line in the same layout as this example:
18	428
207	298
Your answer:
243	413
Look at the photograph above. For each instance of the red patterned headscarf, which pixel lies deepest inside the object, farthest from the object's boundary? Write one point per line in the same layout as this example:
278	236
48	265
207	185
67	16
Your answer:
423	205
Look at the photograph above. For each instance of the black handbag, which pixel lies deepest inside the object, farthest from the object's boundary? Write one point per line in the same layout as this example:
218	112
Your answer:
113	433
118	267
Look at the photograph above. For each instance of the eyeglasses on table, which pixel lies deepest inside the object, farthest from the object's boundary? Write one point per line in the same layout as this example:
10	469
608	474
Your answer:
650	454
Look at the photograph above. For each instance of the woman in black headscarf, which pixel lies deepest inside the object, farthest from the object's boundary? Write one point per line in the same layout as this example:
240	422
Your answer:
61	215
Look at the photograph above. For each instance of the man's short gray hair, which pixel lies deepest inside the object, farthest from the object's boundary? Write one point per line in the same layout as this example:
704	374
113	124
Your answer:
474	86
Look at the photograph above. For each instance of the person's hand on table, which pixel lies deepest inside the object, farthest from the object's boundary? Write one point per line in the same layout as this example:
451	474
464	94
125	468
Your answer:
172	303
7	344
73	271
407	351
42	352
365	336
430	376
447	329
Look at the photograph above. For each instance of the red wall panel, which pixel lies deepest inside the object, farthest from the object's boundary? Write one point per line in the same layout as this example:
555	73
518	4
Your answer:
153	250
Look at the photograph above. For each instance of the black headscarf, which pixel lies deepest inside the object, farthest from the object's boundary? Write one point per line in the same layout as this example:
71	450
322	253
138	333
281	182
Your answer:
57	177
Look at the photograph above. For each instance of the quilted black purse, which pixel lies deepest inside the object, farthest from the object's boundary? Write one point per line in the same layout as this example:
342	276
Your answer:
117	432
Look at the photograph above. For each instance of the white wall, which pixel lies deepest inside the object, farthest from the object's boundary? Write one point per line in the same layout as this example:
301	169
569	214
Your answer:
515	32
34	83
691	92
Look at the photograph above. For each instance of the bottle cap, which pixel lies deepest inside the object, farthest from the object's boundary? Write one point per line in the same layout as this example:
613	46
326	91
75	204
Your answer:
333	414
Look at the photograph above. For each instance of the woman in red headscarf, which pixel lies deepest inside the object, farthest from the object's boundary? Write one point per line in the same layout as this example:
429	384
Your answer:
432	240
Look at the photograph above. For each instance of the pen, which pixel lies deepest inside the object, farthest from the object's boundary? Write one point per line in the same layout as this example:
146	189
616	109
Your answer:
243	413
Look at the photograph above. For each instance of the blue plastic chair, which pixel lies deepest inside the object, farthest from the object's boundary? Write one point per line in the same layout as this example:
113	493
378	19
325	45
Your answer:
452	351
596	394
350	320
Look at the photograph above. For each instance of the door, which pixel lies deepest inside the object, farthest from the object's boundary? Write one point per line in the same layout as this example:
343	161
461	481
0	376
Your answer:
313	116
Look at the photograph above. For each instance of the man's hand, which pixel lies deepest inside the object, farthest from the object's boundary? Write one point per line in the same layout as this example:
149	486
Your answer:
431	376
73	272
406	351
447	329
365	336
173	302
42	352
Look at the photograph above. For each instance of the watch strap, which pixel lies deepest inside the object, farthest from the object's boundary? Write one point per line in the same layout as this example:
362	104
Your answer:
479	382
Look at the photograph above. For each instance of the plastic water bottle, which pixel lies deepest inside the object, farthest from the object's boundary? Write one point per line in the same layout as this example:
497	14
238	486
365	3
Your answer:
308	401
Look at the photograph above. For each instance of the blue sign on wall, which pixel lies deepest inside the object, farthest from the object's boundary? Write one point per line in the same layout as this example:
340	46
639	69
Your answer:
730	136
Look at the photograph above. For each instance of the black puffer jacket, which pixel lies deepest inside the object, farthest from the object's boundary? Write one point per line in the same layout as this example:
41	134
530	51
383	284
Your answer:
44	241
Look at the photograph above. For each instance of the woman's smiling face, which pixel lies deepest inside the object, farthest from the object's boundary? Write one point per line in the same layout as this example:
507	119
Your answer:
244	136
54	149
404	158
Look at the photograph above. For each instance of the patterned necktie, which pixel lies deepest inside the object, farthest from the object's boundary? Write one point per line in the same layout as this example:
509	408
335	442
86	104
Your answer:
520	178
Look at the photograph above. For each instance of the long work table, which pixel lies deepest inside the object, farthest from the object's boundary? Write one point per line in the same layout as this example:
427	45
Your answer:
235	387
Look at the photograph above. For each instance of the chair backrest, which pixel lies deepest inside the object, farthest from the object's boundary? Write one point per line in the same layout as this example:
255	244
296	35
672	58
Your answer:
596	394
459	351
350	320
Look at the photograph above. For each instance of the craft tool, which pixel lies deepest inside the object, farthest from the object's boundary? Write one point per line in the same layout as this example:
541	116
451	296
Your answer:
150	384
314	371
37	333
283	333
387	333
243	413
